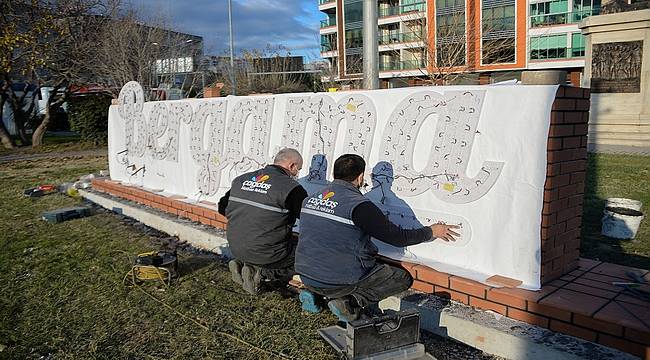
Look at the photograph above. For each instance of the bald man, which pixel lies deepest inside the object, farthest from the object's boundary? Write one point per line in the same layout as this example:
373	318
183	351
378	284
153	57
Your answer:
261	207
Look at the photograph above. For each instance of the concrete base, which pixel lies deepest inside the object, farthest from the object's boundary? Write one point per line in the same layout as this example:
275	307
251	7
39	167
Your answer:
543	77
496	334
198	235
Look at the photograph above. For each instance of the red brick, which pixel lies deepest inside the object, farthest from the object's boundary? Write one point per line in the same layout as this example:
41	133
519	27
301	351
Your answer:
586	289
194	217
573	117
586	93
573	92
487	305
573	330
624	314
564	104
566	300
527	317
638	336
422	286
574	223
553	169
561	130
600	326
623	345
575	200
558	181
573	166
432	276
549	311
451	294
580	129
553	253
571	142
506	299
468	286
554	143
578	177
557	117
217	224
582	105
565	214
579	153
560	92
567	191
550	195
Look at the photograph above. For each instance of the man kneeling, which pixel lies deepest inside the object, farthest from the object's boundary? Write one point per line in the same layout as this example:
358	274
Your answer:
335	256
261	208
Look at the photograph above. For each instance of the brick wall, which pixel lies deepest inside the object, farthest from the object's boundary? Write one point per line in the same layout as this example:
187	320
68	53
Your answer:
565	182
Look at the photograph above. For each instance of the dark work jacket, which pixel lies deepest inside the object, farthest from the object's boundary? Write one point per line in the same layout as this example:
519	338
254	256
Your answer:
331	249
259	225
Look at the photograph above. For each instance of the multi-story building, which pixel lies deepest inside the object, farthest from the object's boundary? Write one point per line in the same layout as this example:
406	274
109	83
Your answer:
455	41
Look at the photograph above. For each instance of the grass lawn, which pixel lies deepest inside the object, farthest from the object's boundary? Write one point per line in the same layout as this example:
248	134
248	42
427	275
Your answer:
53	144
616	176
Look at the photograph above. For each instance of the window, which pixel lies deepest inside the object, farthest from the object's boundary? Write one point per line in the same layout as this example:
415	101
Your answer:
577	45
354	38
353	11
353	64
498	32
548	47
549	13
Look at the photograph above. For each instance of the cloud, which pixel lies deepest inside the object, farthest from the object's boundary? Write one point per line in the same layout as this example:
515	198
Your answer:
256	23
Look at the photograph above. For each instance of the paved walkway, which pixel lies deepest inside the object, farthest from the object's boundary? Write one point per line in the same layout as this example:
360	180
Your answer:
619	149
54	155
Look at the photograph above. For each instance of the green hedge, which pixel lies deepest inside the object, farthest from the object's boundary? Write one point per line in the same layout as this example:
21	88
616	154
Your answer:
88	116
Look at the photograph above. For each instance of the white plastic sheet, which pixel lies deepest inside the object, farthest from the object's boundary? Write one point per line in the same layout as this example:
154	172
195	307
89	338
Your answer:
469	155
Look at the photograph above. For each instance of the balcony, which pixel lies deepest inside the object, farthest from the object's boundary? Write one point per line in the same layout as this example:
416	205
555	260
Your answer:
323	2
401	10
561	18
401	65
396	38
325	47
327	23
558	54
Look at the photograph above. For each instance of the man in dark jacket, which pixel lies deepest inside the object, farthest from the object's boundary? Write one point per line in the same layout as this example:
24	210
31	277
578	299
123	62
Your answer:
335	256
261	207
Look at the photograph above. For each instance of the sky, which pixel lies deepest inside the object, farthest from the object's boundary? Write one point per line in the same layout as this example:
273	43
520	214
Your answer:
256	23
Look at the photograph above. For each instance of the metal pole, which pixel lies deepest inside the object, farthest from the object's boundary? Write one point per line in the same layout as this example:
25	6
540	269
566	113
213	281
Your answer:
232	52
370	45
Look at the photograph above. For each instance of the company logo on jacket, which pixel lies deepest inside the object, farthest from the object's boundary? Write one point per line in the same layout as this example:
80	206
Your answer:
322	202
257	184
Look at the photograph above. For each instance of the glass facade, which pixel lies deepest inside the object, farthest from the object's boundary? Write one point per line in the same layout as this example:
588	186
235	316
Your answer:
353	16
557	46
498	31
559	12
450	33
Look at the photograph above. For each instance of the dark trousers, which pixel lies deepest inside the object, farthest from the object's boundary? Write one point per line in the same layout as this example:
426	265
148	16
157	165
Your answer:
282	270
382	282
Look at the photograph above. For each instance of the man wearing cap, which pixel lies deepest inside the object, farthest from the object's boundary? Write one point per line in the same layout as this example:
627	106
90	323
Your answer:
335	256
261	207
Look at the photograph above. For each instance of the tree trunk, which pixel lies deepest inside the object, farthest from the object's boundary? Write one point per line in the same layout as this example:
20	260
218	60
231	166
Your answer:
37	136
5	138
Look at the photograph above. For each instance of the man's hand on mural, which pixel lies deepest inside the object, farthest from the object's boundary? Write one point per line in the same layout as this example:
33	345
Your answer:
444	232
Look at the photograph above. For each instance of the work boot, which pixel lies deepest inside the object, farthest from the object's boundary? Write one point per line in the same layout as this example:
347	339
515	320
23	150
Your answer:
252	279
343	309
235	271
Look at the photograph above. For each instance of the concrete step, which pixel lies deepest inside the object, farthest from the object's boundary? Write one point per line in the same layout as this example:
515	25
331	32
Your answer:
496	334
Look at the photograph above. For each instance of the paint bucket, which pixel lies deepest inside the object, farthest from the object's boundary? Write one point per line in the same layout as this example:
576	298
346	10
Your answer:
624	203
621	223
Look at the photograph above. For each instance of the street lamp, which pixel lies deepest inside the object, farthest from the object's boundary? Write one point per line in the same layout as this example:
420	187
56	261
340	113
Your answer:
232	59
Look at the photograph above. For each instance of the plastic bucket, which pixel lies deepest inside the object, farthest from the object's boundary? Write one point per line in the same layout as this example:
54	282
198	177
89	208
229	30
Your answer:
624	203
621	223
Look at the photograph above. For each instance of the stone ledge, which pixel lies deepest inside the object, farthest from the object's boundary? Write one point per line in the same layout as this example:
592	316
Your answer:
496	334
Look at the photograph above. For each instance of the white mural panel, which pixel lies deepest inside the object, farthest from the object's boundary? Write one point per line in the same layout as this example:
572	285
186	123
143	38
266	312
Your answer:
465	155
